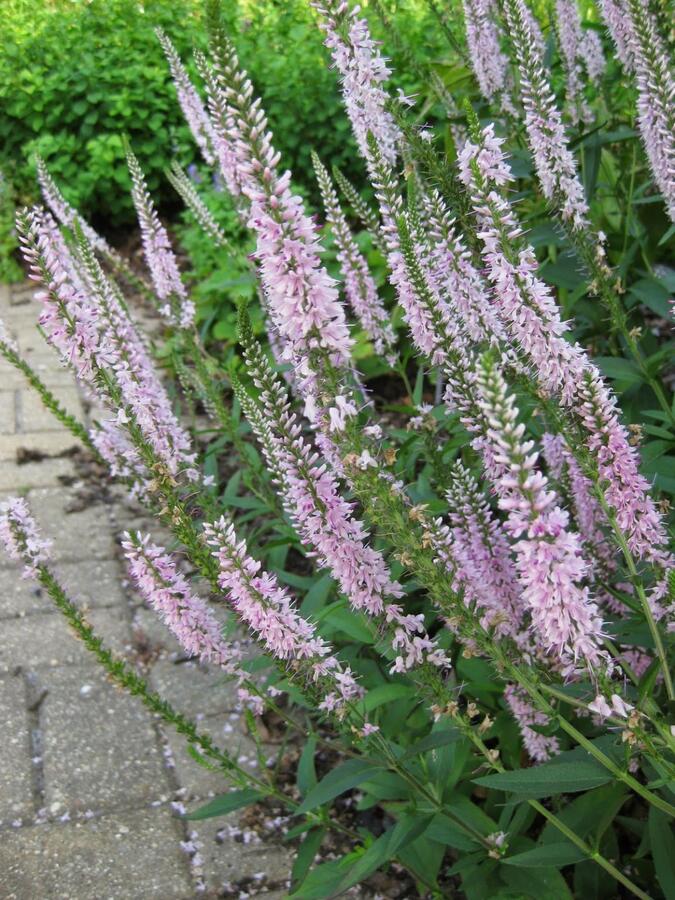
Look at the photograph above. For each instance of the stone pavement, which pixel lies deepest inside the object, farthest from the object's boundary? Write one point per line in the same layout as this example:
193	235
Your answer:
90	782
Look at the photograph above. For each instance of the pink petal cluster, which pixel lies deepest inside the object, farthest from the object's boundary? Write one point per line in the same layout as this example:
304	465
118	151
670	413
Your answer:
359	284
540	747
481	550
83	318
21	537
489	63
578	49
456	278
325	522
363	72
65	213
186	615
655	80
529	310
159	255
267	608
301	297
588	515
189	100
618	23
555	165
549	558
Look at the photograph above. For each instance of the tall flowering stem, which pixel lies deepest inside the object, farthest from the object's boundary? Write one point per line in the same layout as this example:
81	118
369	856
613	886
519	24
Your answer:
554	162
189	100
359	284
489	63
539	746
326	523
634	30
268	610
68	216
549	557
528	308
362	210
186	191
301	297
84	319
579	50
177	308
21	537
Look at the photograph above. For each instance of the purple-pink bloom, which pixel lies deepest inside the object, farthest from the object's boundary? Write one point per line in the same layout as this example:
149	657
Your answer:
268	610
539	746
359	284
21	537
554	162
489	63
186	615
549	558
578	49
189	100
178	309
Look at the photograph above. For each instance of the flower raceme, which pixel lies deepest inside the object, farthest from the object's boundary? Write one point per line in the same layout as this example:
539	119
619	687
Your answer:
325	521
189	100
489	63
268	610
21	537
300	295
84	320
527	307
549	558
359	284
555	165
178	309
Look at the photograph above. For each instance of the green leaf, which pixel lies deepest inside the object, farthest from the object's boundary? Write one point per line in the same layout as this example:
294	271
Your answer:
536	884
305	857
549	778
653	294
386	693
663	850
226	803
623	370
353	624
306	774
546	856
439	738
343	778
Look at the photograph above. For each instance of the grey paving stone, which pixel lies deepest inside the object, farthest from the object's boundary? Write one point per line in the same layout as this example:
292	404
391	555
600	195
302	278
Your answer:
45	639
16	790
7	412
50	443
33	416
91	584
193	689
227	860
100	746
46	473
130	856
228	733
84	534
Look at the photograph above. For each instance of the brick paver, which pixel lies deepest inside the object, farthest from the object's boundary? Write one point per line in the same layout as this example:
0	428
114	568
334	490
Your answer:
88	775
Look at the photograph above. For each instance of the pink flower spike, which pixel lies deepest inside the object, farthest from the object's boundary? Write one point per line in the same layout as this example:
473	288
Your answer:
21	537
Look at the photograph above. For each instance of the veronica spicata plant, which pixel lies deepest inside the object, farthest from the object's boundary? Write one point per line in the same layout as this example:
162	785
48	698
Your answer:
483	584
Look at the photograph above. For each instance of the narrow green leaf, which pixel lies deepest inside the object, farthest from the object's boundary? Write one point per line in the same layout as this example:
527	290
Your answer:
346	776
550	778
432	741
225	803
663	850
305	857
546	856
306	774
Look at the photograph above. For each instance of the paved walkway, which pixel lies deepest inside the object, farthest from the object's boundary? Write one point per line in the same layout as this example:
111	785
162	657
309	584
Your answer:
90	782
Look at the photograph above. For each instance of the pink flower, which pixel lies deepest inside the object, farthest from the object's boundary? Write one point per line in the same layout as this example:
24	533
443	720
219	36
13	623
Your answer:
189	99
549	558
159	255
539	746
266	607
186	615
555	165
359	284
490	65
21	537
